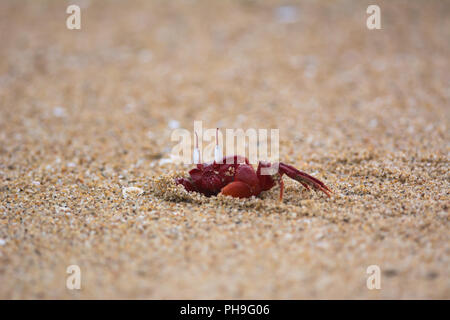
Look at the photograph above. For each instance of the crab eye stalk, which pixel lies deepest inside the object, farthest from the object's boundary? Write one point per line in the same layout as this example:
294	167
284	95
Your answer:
218	156
196	154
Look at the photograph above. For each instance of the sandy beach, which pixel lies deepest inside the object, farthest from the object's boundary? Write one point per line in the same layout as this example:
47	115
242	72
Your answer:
86	114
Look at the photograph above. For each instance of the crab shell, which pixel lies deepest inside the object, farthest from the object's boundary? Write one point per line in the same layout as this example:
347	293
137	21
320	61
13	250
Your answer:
236	177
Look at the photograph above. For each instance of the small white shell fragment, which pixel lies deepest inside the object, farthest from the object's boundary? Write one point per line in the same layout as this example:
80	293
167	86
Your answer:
286	14
174	124
164	161
59	112
131	190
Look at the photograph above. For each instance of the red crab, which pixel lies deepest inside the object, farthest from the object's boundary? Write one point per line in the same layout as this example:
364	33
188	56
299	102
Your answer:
236	177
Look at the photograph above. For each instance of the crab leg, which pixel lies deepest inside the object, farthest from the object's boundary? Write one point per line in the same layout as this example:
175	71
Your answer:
186	183
281	183
305	179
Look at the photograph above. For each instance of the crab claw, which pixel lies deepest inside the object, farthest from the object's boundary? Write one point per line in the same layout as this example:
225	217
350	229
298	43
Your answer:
305	179
237	189
245	183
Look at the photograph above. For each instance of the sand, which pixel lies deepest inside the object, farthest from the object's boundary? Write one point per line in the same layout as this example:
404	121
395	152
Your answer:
86	114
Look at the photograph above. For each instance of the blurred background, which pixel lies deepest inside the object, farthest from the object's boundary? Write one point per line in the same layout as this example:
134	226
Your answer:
84	113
